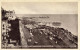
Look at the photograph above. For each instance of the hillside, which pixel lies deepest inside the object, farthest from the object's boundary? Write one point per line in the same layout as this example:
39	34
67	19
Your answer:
46	36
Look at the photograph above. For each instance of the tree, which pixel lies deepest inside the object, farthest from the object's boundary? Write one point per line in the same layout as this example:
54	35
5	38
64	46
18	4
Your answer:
3	12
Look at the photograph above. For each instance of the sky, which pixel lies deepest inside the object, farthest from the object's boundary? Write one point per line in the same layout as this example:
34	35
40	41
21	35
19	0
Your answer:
42	7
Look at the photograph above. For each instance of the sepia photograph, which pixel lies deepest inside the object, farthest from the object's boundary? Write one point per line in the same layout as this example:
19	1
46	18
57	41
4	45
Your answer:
39	25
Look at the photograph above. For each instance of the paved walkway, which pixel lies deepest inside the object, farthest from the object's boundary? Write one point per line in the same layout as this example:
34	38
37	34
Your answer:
23	40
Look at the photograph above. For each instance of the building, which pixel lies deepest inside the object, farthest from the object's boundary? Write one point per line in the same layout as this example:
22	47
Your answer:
10	28
10	15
